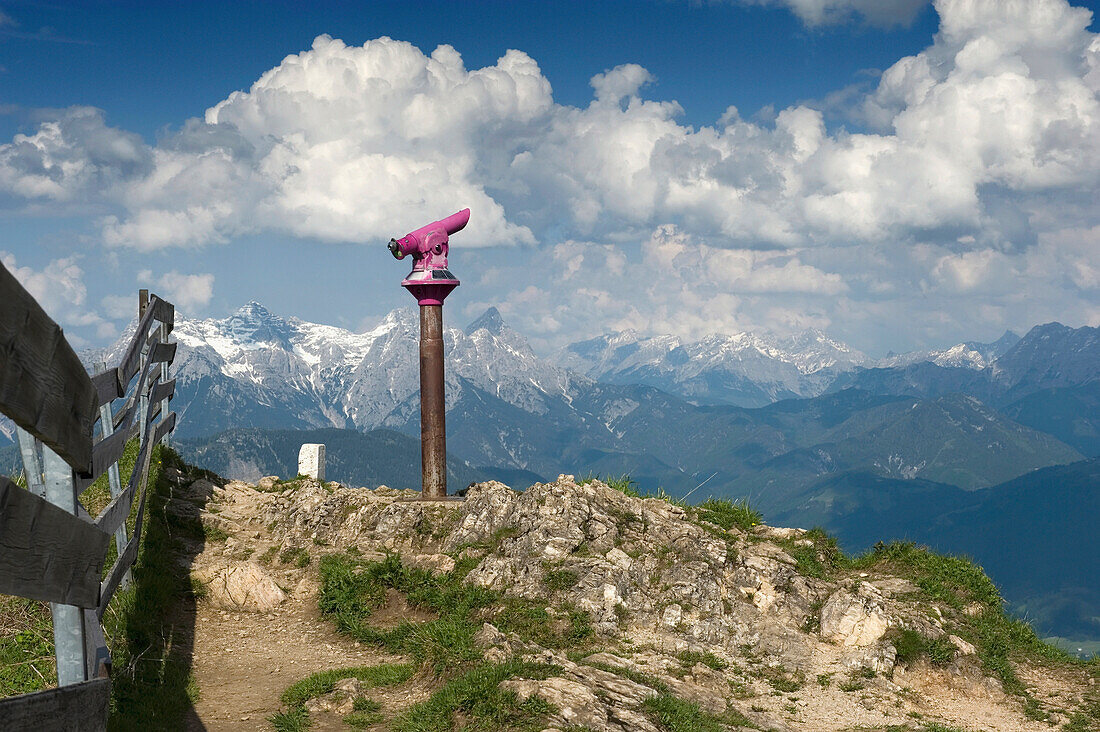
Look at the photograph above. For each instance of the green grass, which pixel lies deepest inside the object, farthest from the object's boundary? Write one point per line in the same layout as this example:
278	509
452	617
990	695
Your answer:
911	646
297	556
822	560
296	717
1085	719
637	677
365	713
389	674
780	679
26	646
729	514
484	706
557	579
690	658
677	715
955	581
960	584
353	588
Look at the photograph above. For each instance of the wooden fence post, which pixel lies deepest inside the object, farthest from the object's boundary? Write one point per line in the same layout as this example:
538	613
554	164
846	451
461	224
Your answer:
106	419
68	625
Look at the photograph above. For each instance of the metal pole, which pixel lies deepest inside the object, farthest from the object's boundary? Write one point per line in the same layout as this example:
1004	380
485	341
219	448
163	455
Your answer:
164	379
32	463
68	625
433	431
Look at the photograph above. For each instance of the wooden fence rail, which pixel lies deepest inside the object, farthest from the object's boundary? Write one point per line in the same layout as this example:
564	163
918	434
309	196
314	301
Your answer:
50	548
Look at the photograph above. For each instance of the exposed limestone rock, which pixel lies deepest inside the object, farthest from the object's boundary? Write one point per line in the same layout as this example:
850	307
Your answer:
855	618
241	586
576	704
267	482
965	648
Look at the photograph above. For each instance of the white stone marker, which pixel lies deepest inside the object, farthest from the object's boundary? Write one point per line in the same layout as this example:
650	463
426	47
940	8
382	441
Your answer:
311	461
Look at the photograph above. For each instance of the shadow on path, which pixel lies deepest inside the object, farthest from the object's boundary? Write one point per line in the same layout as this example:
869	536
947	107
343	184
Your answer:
152	683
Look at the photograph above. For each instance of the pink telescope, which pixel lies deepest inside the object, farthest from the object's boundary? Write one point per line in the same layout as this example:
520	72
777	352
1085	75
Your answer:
430	281
428	244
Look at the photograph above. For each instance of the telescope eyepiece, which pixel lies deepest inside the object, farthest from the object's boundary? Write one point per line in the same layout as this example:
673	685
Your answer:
395	249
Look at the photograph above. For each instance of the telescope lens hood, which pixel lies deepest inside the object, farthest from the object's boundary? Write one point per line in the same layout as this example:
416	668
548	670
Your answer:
395	250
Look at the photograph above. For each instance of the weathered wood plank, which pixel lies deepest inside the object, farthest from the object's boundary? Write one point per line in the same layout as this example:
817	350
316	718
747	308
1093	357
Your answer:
125	415
77	708
46	553
107	452
163	390
165	426
148	377
163	311
113	516
118	569
108	386
141	340
114	479
163	353
43	386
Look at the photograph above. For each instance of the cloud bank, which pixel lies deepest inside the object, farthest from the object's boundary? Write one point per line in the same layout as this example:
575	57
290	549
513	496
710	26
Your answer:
975	166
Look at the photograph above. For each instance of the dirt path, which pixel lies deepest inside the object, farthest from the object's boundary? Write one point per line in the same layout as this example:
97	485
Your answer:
243	661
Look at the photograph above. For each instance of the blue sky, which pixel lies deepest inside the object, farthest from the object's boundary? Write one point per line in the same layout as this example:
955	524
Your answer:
612	186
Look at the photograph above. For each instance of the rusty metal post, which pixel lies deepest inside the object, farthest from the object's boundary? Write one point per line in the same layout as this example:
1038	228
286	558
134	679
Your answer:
430	282
433	428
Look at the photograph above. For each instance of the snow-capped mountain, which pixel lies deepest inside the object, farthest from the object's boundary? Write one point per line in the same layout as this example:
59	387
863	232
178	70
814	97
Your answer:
967	355
258	368
744	369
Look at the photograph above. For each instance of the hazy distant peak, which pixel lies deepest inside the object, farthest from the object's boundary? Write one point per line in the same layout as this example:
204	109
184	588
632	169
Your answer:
490	320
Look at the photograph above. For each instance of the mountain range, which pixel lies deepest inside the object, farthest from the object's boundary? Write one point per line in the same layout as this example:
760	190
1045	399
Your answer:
803	426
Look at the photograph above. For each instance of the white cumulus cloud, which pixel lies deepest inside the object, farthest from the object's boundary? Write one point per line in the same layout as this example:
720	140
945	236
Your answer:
59	288
185	291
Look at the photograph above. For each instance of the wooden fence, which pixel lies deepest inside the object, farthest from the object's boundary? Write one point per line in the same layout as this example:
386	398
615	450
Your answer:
50	548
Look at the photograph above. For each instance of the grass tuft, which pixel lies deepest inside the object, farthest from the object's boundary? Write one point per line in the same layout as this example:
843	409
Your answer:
677	715
729	514
690	658
296	718
476	695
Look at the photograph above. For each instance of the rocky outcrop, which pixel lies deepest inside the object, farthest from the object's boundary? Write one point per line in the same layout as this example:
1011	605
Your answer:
726	617
639	566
